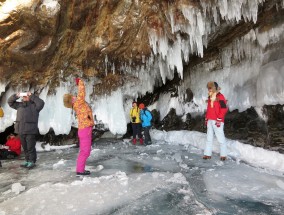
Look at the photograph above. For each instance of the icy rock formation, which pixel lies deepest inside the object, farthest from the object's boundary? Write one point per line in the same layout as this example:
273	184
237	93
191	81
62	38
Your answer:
126	49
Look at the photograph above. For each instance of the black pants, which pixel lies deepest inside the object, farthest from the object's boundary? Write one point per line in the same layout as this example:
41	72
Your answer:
28	142
6	154
147	140
137	130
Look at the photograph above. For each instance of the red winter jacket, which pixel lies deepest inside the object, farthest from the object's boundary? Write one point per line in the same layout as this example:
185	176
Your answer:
14	145
219	109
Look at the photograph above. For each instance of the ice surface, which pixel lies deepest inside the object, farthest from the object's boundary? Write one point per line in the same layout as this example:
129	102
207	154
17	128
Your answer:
129	180
255	156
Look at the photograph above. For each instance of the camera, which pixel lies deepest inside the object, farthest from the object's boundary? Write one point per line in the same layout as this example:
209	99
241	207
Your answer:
133	119
23	94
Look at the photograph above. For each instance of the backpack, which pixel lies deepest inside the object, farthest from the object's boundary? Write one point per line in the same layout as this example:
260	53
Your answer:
150	114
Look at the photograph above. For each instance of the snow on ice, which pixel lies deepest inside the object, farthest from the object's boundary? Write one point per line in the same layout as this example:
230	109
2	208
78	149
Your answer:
255	156
167	177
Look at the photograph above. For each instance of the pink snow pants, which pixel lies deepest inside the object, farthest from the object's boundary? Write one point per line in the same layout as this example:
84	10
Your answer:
85	139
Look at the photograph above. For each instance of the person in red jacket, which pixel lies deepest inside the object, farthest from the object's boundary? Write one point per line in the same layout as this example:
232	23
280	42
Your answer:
214	120
12	147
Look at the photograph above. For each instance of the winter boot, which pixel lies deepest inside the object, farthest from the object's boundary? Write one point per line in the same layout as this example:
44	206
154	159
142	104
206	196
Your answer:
0	164
134	141
141	141
86	172
223	158
30	165
205	157
24	164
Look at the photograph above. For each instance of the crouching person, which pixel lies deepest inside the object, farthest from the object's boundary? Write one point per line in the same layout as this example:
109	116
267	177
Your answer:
215	115
146	117
85	127
26	124
12	148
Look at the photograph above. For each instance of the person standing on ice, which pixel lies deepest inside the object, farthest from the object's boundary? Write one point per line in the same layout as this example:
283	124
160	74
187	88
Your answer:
214	120
26	124
146	117
85	127
136	123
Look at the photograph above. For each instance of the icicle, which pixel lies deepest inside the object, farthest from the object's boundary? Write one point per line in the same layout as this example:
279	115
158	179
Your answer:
106	63
113	68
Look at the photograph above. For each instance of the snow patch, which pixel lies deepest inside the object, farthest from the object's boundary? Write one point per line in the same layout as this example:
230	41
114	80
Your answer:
178	178
17	188
255	156
52	7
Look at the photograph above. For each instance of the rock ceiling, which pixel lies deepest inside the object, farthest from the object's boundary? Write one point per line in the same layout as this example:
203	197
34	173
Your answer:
43	41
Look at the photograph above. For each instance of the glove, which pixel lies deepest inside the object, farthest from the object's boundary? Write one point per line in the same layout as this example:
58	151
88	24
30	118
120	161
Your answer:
218	122
206	122
77	81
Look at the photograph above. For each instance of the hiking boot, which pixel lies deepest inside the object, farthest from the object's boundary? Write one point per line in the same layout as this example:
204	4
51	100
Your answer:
141	141
30	165
223	158
134	141
86	172
205	157
24	164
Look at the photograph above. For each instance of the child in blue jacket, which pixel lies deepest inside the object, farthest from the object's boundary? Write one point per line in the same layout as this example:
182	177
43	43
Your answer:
146	117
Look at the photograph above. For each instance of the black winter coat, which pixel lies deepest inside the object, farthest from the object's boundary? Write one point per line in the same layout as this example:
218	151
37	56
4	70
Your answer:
27	114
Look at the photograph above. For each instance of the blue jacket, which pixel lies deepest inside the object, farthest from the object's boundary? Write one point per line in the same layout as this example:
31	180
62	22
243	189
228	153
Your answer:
145	117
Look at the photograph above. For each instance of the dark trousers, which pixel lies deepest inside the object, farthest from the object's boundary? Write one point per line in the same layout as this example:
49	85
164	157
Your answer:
147	140
28	142
137	130
6	154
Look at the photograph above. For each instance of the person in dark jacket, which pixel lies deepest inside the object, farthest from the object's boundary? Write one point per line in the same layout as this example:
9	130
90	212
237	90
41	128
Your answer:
26	124
146	117
214	120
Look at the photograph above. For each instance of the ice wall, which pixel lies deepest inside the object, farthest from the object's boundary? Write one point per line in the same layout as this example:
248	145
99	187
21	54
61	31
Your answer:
199	23
255	80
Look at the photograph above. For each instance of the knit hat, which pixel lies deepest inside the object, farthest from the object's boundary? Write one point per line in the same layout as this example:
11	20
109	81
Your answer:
141	106
214	86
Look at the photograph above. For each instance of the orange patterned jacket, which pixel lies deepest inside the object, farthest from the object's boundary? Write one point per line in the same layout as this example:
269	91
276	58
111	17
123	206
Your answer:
82	109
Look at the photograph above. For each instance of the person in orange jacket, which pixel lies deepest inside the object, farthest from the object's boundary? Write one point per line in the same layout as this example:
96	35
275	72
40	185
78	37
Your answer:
85	127
12	147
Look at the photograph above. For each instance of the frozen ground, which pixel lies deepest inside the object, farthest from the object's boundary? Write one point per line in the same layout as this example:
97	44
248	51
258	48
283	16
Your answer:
158	179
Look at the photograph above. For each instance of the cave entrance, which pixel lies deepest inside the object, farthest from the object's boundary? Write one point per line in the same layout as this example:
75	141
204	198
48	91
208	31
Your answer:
5	134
